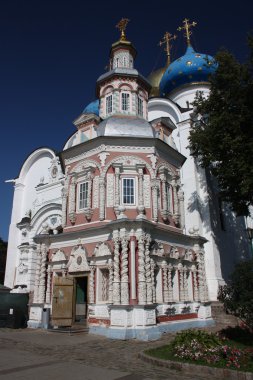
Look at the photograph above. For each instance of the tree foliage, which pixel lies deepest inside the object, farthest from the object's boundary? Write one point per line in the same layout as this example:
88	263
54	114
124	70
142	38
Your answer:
222	133
237	295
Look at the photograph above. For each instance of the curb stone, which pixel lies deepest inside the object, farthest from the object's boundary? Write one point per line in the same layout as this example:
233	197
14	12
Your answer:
222	373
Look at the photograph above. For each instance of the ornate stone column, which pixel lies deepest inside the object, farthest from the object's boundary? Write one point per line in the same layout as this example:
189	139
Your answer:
155	187
181	282
102	198
110	268
203	291
153	265
185	275
124	272
49	277
148	270
175	197
72	200
142	295
117	168
92	284
170	286
42	277
181	207
195	283
164	208
64	202
116	279
140	206
37	276
165	282
88	211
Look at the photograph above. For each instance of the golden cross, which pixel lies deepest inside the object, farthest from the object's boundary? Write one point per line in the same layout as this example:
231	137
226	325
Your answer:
187	27
122	27
166	40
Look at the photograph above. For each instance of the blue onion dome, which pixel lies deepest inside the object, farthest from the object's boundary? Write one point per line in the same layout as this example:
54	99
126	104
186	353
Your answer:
190	68
93	107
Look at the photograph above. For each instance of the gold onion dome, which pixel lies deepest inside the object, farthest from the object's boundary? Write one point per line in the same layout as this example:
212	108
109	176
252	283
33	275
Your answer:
154	79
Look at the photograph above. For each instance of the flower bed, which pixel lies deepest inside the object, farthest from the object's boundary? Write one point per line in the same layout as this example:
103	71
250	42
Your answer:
200	347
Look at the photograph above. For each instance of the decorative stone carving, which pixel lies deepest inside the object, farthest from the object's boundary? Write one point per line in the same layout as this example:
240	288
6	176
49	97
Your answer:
170	285
54	169
102	156
176	216
181	282
117	168
155	189
165	282
102	198
153	160
146	190
157	249
110	268
174	253
64	192
181	206
95	191
72	200
195	283
102	249
148	269
92	284
153	265
140	206
116	279
124	271
185	276
203	290
37	277
142	291
110	189
48	292
78	260
42	276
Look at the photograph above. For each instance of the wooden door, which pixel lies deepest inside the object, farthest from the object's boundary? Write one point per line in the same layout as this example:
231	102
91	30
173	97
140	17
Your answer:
62	303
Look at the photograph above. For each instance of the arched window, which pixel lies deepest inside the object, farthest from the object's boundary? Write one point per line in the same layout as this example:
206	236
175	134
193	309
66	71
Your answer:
108	101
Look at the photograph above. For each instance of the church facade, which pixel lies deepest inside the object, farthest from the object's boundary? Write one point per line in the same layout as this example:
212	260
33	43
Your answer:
123	229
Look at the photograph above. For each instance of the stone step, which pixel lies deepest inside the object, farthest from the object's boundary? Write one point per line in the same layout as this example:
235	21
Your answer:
221	316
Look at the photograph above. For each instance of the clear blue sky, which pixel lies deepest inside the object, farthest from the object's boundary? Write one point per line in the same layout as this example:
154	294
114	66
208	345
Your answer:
53	51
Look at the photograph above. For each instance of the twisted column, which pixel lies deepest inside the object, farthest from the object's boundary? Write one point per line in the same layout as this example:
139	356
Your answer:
64	202
195	284
140	207
42	277
185	275
181	282
165	282
116	279
49	277
110	268
153	265
203	291
92	284
142	294
124	271
164	210
170	286
148	270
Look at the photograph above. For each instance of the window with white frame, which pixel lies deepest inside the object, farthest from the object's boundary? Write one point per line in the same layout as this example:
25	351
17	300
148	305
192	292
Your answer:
140	106
125	97
83	195
109	104
128	191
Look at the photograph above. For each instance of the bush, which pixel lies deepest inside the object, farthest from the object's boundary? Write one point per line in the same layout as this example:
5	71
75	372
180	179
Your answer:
237	295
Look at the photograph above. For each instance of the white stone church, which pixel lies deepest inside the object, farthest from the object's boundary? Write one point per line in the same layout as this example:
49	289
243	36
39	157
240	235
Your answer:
122	230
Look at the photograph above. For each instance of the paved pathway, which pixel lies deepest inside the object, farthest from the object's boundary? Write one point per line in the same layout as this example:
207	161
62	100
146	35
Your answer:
36	354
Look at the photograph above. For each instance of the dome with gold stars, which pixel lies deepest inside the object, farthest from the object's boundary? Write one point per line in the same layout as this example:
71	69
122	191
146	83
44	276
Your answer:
192	67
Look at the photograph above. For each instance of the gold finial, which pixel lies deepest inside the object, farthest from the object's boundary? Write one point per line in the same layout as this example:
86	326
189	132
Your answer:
122	27
166	40
187	27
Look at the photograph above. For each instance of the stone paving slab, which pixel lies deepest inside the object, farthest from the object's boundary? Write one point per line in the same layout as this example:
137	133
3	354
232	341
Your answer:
87	351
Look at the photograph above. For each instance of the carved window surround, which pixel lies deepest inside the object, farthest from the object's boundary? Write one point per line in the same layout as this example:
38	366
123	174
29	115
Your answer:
85	177
166	193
